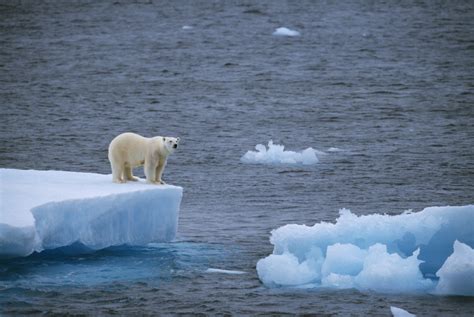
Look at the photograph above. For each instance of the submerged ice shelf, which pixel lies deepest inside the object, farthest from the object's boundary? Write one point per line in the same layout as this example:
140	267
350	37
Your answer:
428	251
49	209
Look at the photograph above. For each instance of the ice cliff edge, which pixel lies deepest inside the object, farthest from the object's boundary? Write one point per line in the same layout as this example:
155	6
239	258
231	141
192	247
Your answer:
49	209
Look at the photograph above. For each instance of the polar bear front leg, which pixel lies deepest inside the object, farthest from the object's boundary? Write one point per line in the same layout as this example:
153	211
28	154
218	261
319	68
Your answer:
159	171
150	172
117	173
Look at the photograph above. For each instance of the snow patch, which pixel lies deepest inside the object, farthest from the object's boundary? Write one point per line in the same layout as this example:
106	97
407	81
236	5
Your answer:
50	209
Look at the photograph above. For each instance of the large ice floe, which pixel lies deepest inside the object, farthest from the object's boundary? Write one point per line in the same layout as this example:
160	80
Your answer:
50	209
427	251
276	154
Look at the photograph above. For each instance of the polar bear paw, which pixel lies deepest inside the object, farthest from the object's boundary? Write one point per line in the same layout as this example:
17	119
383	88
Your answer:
156	182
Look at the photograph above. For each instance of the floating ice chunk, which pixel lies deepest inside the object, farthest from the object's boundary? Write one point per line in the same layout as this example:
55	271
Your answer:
187	27
456	276
282	31
276	154
343	259
398	312
387	273
50	209
285	269
377	252
347	266
212	270
335	149
335	280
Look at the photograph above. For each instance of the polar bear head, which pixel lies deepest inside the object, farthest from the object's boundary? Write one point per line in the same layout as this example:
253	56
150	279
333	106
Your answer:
170	143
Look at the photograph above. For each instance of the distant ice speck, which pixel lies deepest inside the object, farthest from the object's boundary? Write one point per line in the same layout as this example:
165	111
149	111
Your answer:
276	154
398	312
282	31
334	149
211	270
187	27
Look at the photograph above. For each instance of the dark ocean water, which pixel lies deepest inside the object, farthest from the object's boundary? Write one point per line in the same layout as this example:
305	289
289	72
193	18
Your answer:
391	83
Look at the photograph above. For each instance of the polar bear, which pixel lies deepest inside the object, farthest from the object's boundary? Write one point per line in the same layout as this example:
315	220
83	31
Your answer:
129	150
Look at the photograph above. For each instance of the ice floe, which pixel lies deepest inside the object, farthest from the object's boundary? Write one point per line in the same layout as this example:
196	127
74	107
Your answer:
276	154
233	272
50	209
401	253
283	31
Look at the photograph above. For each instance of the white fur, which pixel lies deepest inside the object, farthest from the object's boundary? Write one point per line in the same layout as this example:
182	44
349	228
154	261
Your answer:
129	150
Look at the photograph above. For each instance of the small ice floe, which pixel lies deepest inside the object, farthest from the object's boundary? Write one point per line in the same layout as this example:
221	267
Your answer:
187	27
211	270
398	312
282	31
378	252
334	149
276	154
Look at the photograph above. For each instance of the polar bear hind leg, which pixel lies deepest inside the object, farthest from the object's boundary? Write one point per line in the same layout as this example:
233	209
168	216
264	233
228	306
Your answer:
129	175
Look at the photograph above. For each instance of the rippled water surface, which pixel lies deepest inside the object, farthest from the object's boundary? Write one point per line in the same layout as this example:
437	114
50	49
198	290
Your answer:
389	83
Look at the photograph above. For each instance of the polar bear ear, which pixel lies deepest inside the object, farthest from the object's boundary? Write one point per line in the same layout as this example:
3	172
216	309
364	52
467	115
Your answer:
177	139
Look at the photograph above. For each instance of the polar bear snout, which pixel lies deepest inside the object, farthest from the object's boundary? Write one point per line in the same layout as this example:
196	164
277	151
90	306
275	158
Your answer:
171	143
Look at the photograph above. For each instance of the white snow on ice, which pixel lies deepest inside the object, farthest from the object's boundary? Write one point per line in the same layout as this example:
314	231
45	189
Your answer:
398	312
50	209
402	253
276	154
282	31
